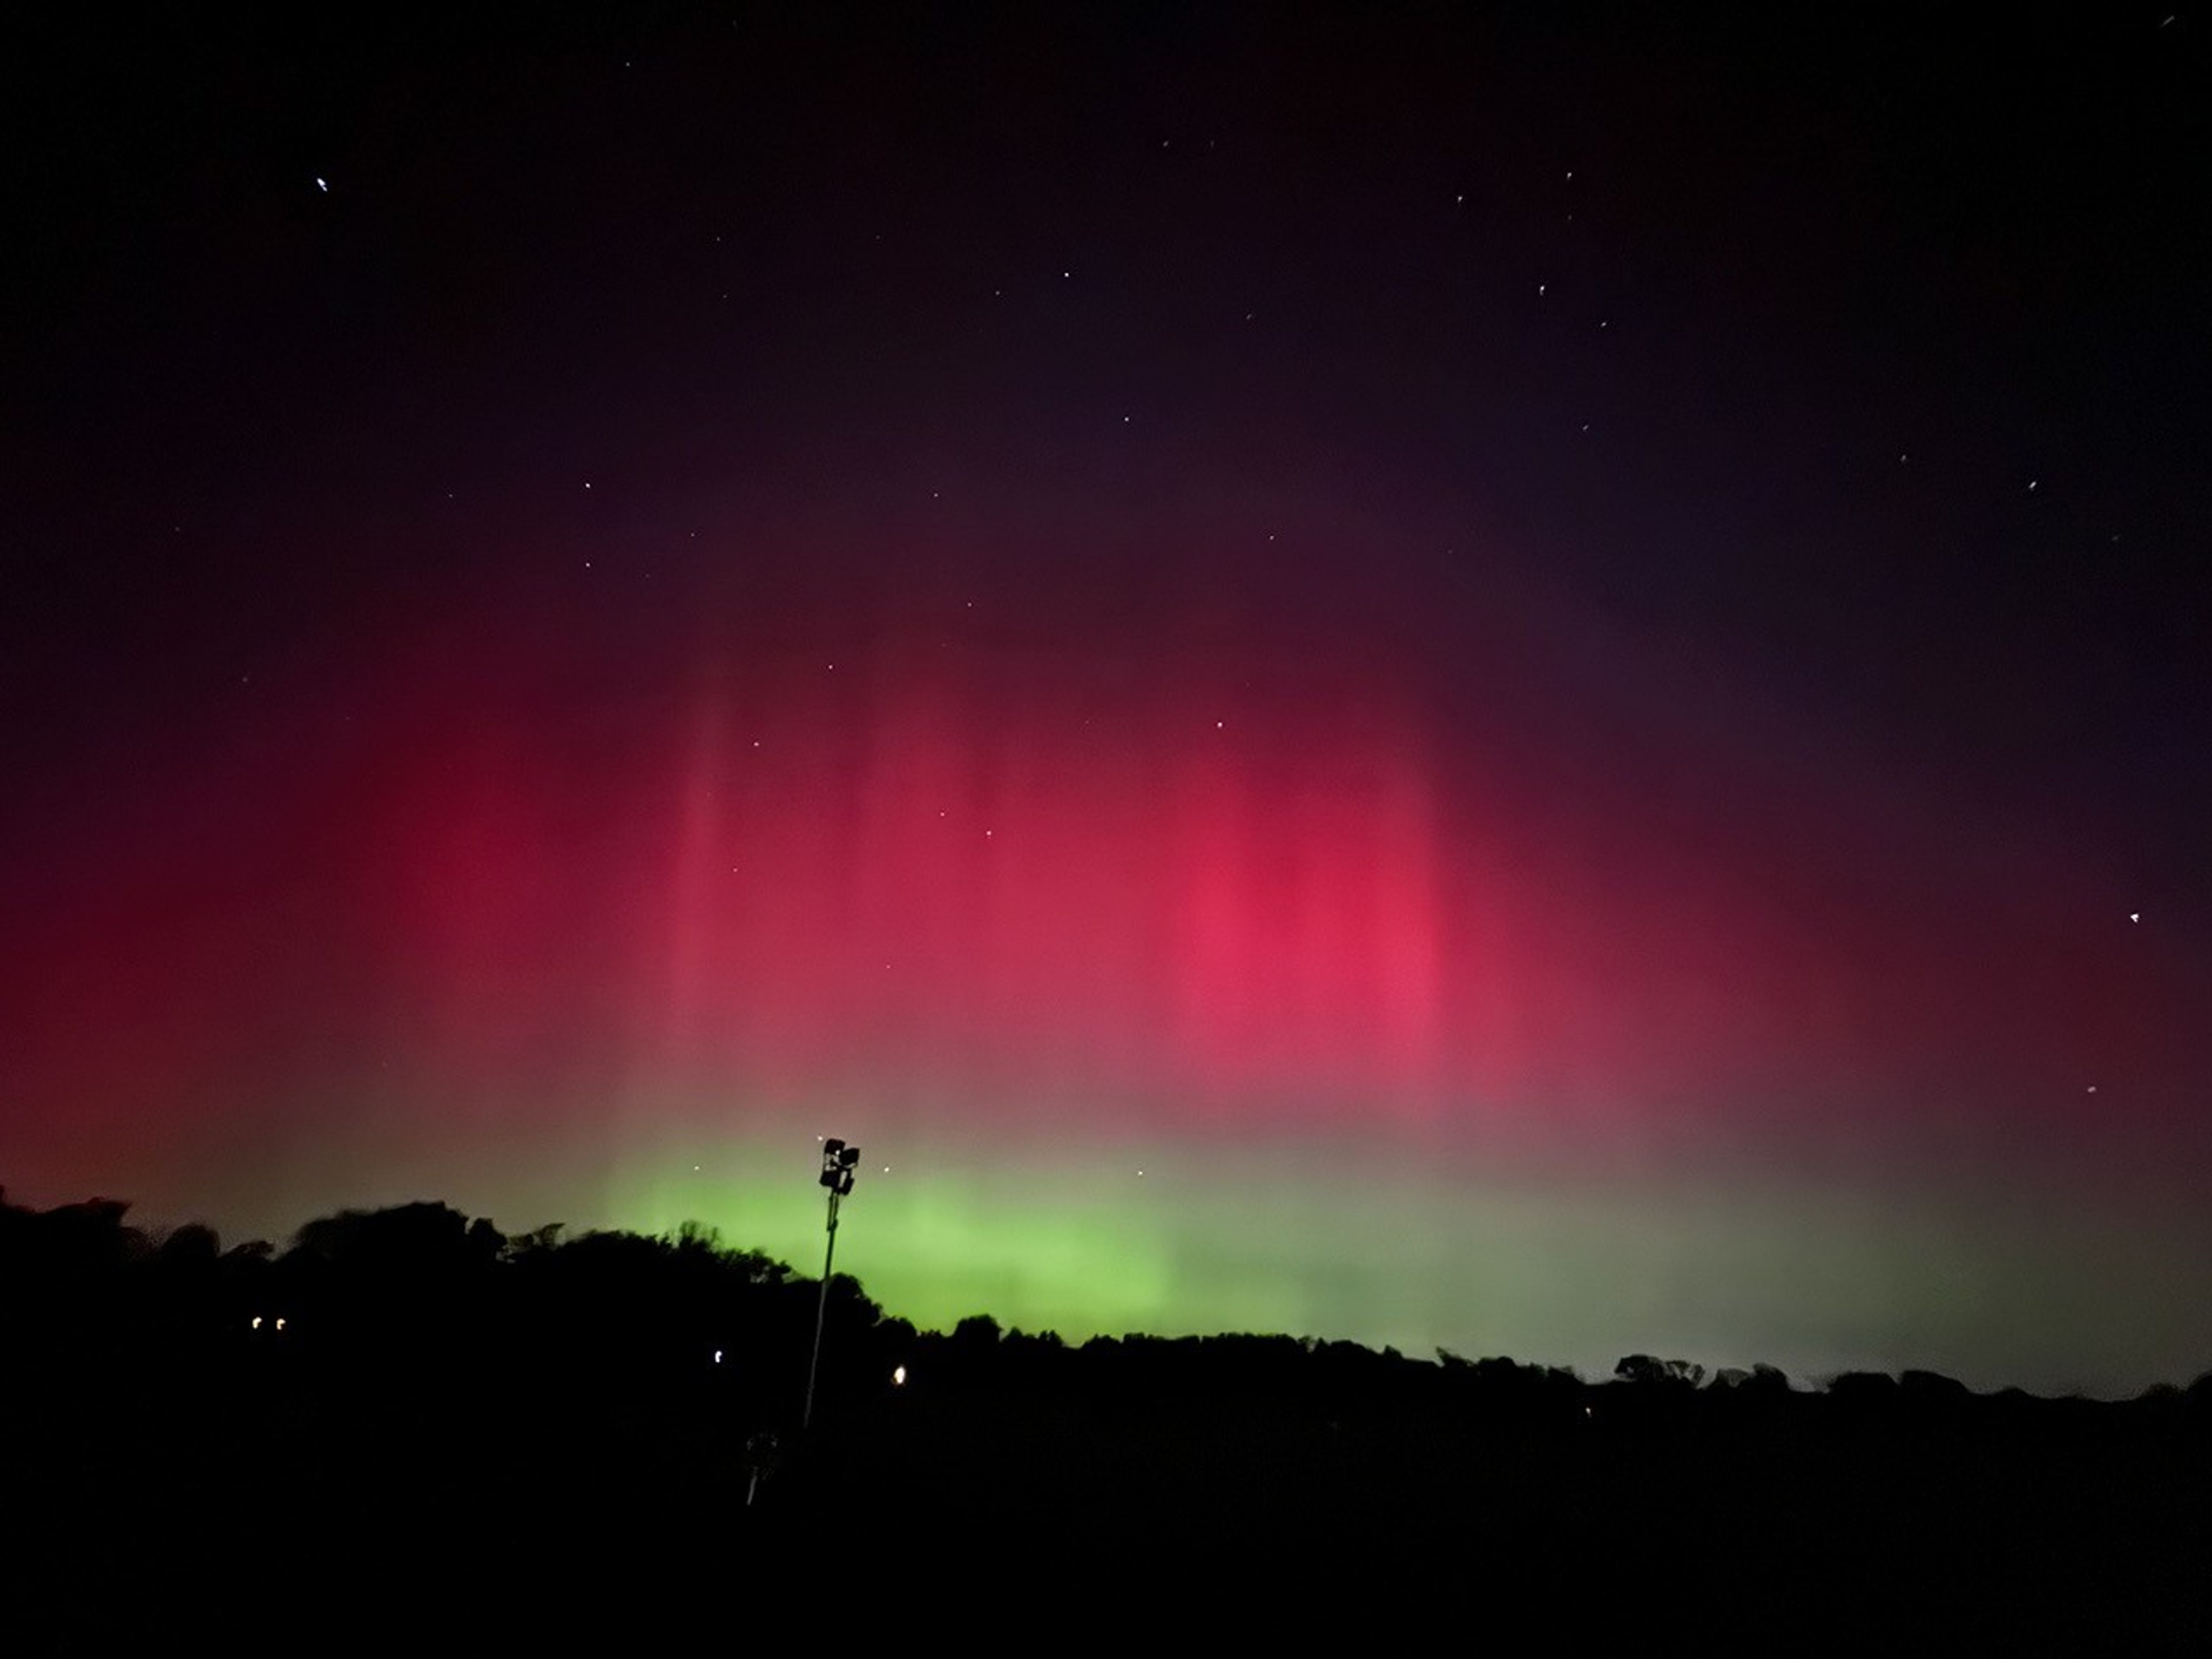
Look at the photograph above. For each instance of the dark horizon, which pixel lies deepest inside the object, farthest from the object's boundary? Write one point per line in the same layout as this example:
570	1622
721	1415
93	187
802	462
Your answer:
420	1284
408	1420
418	1241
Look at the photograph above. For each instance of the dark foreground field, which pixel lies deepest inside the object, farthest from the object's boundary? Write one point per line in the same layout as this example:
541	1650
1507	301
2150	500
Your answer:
538	1507
455	1439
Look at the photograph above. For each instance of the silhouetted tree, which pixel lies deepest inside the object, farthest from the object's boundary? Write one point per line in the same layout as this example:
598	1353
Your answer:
1675	1375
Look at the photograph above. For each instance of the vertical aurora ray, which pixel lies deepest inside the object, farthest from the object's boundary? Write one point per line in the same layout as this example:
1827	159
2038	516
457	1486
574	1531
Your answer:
1544	1031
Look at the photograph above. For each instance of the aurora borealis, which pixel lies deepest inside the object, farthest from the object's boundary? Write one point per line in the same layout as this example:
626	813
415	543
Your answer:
1268	658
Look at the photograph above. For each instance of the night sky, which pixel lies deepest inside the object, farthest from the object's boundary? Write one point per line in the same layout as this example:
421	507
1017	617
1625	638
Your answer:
1534	681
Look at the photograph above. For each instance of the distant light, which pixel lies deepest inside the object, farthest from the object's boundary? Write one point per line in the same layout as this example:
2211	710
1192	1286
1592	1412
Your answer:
323	185
718	1356
898	1377
257	1321
280	1324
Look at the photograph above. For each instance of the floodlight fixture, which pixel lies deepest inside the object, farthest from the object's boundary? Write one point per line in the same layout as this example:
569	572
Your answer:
840	1162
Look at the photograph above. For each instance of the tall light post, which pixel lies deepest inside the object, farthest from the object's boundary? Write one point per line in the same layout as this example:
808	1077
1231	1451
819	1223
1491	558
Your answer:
838	1162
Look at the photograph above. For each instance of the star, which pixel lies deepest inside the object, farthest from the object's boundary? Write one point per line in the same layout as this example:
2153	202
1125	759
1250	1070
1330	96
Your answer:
2135	916
323	185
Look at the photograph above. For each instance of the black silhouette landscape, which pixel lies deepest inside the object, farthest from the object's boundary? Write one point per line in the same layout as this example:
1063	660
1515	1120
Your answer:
408	1414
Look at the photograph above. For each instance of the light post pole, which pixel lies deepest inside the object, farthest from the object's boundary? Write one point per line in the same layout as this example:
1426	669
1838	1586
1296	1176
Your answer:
838	1162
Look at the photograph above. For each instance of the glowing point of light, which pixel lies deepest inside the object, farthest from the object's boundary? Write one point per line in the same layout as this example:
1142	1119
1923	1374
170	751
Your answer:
323	185
898	1376
718	1356
280	1324
257	1321
2134	916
